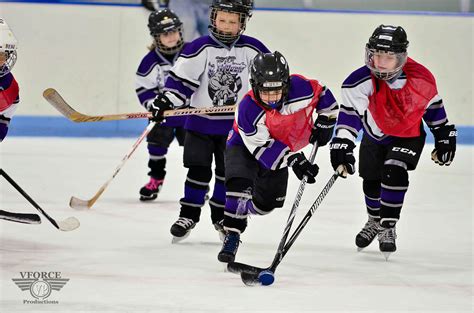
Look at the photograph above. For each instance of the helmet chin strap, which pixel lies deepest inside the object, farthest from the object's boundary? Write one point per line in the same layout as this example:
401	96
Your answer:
274	104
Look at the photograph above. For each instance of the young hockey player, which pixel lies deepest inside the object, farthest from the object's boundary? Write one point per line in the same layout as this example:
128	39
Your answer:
9	100
212	71
193	13
9	90
388	98
166	30
274	120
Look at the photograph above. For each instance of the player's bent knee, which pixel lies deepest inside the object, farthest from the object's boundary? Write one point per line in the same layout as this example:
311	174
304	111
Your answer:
265	207
395	176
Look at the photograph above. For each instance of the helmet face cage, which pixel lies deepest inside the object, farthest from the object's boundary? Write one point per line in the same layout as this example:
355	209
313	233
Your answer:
391	40
8	57
8	47
170	50
270	72
162	22
381	74
271	86
241	7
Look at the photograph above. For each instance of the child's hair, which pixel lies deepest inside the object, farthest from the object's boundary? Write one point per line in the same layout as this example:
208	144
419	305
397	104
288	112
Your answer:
152	46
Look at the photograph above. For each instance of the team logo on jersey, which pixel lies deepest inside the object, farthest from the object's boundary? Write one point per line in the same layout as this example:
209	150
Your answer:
224	80
40	285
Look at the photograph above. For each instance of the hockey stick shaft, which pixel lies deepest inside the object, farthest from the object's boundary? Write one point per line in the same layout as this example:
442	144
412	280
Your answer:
307	217
27	197
57	101
236	267
291	217
25	218
250	274
78	203
70	224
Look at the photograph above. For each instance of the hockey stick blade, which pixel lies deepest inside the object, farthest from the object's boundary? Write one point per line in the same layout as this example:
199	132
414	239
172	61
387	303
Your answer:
57	101
252	275
79	204
238	268
68	224
250	279
25	218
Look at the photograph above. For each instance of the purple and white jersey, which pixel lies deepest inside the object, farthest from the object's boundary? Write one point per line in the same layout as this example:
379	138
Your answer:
150	79
209	73
354	114
254	134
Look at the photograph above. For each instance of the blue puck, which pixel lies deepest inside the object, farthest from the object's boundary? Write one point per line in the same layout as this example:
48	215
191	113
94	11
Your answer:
266	278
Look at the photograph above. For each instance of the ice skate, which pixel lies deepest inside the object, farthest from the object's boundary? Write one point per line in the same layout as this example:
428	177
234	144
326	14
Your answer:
386	239
367	234
181	229
229	247
150	191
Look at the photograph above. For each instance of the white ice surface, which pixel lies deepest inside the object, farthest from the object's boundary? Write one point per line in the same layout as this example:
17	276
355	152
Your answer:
121	258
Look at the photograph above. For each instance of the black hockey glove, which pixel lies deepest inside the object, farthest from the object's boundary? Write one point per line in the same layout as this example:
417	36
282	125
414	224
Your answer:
159	106
445	144
322	130
302	167
342	153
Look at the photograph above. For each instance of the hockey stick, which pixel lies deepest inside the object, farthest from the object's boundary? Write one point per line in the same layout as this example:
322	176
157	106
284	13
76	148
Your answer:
68	224
291	217
25	218
79	204
55	99
252	275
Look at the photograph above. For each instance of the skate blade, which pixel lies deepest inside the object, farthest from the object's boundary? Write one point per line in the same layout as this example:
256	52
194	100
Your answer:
150	198
386	255
359	249
175	239
147	199
221	236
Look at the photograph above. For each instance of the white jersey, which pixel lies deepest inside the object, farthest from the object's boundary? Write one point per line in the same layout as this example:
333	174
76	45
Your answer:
209	73
354	113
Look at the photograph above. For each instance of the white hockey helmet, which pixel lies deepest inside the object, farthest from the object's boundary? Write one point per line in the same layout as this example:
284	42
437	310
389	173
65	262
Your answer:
8	46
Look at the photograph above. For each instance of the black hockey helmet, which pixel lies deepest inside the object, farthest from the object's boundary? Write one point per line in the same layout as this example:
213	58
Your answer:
162	22
270	71
387	39
242	7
